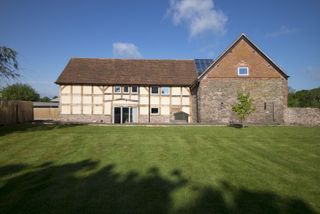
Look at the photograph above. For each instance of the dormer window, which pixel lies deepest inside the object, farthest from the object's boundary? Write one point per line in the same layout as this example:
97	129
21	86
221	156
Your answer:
243	71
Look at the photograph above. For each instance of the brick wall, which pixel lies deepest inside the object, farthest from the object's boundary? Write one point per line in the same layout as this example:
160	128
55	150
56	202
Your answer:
243	55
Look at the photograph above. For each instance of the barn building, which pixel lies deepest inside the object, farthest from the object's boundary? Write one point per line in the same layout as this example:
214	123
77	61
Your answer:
122	91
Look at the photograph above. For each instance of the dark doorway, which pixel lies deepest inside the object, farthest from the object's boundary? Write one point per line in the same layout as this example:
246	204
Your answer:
125	115
117	115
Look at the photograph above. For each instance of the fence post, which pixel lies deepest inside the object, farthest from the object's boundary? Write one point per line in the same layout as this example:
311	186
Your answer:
17	112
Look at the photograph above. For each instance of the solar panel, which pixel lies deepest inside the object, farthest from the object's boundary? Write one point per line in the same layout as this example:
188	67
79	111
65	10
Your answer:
202	65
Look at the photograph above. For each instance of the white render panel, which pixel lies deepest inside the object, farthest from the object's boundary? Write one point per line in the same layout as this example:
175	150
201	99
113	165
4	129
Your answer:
134	97
108	97
144	111
98	110
116	96
65	99
165	110
124	102
66	89
186	110
76	99
86	109
76	109
154	100
165	100
87	99
98	99
175	100
76	89
125	96
65	109
97	90
176	91
144	100
185	101
109	89
144	90
87	89
107	108
185	91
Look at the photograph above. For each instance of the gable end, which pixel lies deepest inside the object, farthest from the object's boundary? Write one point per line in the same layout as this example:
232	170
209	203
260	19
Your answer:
254	47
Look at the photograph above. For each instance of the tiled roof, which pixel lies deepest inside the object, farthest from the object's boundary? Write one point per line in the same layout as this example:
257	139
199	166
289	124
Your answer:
128	71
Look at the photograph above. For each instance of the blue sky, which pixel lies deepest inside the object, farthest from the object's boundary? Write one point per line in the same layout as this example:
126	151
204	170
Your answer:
47	34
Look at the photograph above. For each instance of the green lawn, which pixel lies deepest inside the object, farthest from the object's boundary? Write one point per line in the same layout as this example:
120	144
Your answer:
176	169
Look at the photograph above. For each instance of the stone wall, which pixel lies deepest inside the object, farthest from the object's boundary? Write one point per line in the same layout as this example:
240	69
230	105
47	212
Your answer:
82	118
143	119
108	119
302	116
217	95
159	119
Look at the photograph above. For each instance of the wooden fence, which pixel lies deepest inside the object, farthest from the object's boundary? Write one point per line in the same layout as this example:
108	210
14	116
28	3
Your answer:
46	113
12	112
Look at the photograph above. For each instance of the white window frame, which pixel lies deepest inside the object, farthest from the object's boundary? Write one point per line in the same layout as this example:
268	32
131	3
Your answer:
114	90
152	92
168	91
136	92
242	68
154	113
126	92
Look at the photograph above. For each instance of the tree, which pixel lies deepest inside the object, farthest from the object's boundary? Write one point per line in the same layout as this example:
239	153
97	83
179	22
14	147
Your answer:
304	98
244	107
20	91
45	99
8	63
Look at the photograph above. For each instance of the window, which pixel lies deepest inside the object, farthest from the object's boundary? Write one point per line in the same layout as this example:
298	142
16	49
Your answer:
165	90
126	89
154	110
154	90
243	71
134	89
117	89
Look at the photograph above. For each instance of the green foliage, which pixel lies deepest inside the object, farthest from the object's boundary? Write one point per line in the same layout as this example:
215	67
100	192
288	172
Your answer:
8	63
244	107
304	98
20	91
45	99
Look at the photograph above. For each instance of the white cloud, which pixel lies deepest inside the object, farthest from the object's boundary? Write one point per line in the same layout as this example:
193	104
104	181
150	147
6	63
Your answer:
199	15
126	50
284	30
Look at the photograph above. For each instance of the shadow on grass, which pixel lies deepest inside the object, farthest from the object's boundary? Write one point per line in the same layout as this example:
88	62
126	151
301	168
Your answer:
82	188
28	127
11	169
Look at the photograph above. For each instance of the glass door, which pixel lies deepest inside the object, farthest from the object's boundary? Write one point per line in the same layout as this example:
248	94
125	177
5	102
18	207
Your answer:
117	115
122	115
125	115
133	115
